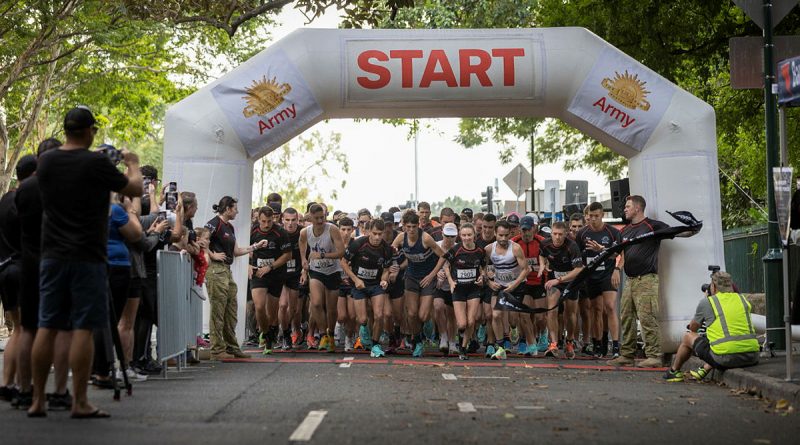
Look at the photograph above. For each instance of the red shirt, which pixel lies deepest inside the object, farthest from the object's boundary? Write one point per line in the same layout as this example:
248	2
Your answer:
531	251
200	265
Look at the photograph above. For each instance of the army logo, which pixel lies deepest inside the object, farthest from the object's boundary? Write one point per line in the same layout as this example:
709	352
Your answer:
264	96
628	90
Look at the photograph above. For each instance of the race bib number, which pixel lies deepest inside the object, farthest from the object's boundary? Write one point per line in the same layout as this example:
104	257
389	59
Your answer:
533	263
291	266
506	276
367	274
322	263
264	262
466	274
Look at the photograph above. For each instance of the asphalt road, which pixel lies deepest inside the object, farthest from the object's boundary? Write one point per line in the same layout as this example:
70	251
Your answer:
403	400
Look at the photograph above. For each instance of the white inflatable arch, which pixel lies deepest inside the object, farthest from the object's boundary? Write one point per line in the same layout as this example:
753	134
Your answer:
214	136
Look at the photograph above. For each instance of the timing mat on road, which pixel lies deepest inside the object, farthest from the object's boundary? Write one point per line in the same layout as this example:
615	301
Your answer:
440	361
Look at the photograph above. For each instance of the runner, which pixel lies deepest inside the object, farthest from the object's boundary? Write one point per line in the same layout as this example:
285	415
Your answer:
366	263
424	212
364	217
443	298
576	223
395	316
485	336
530	243
290	304
466	215
465	277
321	246
510	271
560	255
447	215
593	238
267	275
421	251
345	307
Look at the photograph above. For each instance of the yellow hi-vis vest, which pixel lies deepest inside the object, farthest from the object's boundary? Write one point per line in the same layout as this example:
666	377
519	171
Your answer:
732	331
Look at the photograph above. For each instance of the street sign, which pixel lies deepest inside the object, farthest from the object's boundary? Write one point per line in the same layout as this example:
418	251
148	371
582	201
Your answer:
747	59
782	178
789	81
552	196
577	193
518	180
755	10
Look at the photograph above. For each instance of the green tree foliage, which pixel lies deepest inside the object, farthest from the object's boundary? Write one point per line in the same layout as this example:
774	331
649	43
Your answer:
456	203
295	169
686	41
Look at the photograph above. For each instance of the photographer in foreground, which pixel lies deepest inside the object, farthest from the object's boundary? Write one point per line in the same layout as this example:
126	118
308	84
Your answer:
729	340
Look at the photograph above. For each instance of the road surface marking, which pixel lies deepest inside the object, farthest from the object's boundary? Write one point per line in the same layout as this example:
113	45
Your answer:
485	407
449	376
348	359
345	364
482	377
529	407
466	407
307	427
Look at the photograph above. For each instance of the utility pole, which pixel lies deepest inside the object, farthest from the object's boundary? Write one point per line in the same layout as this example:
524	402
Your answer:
773	258
533	166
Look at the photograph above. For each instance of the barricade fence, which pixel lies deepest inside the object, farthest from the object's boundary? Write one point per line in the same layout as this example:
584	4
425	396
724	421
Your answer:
180	310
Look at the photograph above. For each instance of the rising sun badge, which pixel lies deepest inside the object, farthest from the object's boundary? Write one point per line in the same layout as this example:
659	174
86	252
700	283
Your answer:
628	90
264	96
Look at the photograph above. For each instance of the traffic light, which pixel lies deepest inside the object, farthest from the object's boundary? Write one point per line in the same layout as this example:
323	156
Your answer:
486	200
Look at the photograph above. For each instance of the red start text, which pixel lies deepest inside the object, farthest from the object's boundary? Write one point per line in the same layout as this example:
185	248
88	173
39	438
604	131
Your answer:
473	64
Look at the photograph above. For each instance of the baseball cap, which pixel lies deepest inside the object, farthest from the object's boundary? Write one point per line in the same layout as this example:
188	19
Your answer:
398	217
528	221
723	281
387	217
513	219
79	118
450	229
26	166
467	211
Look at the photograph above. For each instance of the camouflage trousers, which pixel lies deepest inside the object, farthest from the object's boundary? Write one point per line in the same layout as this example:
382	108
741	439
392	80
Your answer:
640	300
222	298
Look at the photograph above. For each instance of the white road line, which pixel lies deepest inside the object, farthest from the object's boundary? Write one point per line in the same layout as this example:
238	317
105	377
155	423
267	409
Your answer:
528	407
347	359
307	427
482	377
449	376
345	364
466	407
485	407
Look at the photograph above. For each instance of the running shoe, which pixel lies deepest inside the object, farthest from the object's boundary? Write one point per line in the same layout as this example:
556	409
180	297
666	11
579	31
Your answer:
507	343
500	354
267	351
364	336
587	349
296	339
615	350
569	349
473	346
522	348
514	335
673	376
552	351
418	349
202	342
285	346
428	329
60	402
311	342
323	342
133	376
454	349
348	343
462	353
358	346
443	345
490	351
262	340
338	332
532	351
385	338
481	334
698	374
331	345
542	344
377	352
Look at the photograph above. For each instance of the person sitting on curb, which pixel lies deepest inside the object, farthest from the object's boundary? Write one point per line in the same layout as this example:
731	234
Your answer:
729	340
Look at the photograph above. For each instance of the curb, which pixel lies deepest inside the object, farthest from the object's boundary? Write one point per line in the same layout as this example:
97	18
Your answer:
758	384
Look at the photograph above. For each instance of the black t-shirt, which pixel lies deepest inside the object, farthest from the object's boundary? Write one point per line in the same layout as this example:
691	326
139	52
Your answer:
293	265
368	261
9	227
436	232
642	258
607	237
465	264
561	259
75	187
223	239
479	242
29	210
278	244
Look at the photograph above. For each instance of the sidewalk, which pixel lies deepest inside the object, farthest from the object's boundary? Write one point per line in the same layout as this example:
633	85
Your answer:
767	379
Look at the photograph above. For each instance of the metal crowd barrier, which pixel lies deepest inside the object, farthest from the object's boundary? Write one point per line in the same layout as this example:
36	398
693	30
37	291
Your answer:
180	313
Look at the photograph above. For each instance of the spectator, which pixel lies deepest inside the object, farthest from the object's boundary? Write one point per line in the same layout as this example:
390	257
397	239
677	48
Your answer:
221	287
729	340
29	208
75	185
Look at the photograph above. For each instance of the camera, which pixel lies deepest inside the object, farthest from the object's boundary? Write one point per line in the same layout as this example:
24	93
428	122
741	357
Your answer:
162	215
192	236
706	287
172	196
112	152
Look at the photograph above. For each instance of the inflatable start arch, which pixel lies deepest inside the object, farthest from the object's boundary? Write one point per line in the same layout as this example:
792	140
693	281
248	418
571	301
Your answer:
214	136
